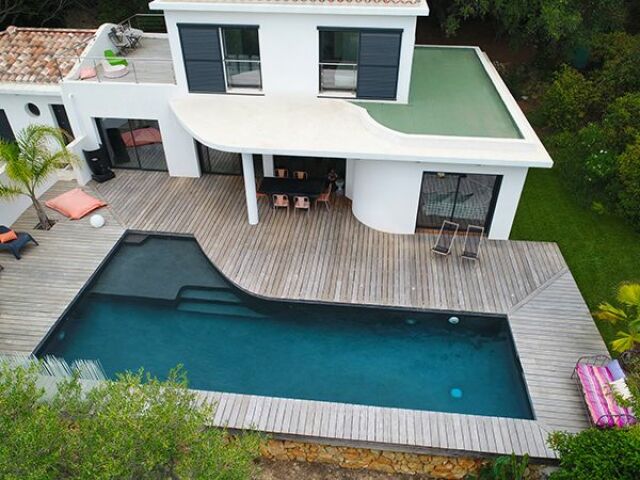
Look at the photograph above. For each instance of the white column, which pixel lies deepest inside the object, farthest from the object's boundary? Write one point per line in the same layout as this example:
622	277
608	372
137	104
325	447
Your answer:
267	165
349	174
513	180
250	188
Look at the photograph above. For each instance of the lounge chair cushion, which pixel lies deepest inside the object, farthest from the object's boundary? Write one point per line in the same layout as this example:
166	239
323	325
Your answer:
7	237
615	369
619	387
87	72
75	204
595	381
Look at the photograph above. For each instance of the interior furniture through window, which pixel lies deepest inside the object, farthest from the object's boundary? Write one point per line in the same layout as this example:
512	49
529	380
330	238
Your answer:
465	199
133	143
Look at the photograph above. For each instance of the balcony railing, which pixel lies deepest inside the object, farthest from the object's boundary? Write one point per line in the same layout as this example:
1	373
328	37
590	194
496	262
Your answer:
147	22
338	78
243	73
137	70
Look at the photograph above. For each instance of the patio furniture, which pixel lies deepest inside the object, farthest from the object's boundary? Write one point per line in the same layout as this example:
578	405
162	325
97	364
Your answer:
324	197
281	173
113	71
260	195
18	244
472	242
281	201
302	203
600	378
445	239
292	187
300	175
124	38
111	57
75	204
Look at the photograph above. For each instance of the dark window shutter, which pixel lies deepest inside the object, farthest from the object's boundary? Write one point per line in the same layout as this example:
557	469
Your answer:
378	64
62	120
202	58
6	133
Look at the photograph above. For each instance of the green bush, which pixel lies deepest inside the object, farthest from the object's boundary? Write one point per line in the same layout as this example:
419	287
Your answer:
629	177
594	454
568	101
621	121
134	428
617	65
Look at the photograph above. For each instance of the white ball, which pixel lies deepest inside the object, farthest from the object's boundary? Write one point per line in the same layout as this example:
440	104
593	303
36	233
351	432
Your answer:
96	220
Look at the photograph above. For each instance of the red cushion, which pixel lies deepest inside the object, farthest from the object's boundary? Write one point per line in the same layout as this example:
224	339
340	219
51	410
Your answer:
142	136
75	204
7	237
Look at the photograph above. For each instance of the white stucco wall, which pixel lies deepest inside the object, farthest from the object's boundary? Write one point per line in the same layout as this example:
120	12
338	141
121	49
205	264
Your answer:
386	194
289	46
15	106
86	101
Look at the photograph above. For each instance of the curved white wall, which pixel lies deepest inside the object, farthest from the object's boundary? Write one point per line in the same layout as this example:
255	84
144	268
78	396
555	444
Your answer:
385	194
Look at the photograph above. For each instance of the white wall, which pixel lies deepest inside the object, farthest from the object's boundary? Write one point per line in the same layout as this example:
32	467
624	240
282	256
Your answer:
14	106
385	194
86	101
289	45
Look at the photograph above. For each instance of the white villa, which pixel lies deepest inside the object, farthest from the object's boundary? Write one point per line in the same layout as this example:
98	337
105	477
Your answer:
417	134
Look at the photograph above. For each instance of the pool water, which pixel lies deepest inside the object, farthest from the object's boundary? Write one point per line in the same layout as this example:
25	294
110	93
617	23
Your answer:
159	302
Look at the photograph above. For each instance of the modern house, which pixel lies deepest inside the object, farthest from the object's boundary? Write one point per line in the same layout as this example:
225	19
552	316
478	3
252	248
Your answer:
417	134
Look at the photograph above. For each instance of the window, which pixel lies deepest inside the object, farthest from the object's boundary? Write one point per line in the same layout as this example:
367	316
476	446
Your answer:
339	61
242	57
360	63
62	120
6	132
33	109
134	144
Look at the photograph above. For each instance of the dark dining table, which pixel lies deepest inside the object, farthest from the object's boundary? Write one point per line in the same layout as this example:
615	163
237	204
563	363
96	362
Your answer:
291	186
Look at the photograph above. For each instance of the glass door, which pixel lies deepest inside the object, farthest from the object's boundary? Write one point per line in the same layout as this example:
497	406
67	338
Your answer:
466	199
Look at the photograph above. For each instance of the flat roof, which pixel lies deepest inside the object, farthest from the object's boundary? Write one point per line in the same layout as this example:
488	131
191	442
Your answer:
451	94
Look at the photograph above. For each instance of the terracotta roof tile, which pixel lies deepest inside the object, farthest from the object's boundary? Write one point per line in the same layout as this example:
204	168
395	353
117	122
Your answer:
34	55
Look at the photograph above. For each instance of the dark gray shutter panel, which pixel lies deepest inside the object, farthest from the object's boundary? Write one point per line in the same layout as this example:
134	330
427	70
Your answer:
6	132
202	58
378	64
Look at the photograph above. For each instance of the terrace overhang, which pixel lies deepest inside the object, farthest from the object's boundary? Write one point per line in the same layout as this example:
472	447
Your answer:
329	127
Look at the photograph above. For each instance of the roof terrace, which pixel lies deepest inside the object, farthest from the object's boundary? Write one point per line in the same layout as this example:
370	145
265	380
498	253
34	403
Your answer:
451	94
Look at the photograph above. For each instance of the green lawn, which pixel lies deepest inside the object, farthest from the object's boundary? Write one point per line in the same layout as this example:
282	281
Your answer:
600	249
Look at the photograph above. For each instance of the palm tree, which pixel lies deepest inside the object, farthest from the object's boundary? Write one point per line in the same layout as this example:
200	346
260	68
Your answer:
39	150
628	296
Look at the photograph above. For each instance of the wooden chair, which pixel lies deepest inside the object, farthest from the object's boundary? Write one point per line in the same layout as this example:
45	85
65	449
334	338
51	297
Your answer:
445	239
300	175
472	242
324	197
281	201
260	195
302	203
281	173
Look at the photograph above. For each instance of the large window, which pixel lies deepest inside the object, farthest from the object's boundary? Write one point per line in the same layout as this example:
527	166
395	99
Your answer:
242	57
467	199
135	144
339	61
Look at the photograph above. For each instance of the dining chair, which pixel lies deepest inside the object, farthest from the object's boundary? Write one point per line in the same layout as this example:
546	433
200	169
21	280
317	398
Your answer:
281	201
300	175
281	173
260	195
325	197
302	203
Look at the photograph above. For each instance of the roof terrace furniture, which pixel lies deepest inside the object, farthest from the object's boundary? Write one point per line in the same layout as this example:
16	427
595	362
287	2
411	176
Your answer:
601	379
113	59
445	239
125	38
18	244
472	242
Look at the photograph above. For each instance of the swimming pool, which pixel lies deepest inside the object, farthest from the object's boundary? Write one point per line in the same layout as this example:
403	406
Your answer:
157	302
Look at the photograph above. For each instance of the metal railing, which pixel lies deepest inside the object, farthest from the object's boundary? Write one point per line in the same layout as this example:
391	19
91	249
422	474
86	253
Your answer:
137	70
243	73
147	22
338	77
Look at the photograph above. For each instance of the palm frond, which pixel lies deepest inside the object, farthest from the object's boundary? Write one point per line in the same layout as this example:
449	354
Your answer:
10	192
629	294
625	341
609	313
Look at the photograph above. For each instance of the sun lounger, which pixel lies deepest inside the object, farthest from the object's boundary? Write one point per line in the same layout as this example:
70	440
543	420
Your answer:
595	376
445	239
18	244
472	242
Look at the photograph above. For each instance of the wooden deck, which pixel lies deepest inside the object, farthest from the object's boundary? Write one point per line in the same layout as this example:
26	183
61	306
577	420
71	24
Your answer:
329	257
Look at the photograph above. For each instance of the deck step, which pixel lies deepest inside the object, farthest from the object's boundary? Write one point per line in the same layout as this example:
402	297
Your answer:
215	295
214	308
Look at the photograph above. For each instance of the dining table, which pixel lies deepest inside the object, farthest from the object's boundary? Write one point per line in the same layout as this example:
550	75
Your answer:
290	186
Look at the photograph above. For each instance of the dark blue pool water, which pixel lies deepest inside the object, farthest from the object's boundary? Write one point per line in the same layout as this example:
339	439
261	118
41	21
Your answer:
138	312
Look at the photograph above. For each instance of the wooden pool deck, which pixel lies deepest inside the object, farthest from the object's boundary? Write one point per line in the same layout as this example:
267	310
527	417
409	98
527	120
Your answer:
329	257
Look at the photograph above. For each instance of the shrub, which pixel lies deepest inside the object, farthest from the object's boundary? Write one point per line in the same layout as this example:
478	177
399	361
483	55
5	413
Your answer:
622	121
568	101
134	428
618	56
596	454
629	176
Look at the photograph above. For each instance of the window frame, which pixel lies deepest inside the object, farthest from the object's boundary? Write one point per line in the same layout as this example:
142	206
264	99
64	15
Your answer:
338	92
223	47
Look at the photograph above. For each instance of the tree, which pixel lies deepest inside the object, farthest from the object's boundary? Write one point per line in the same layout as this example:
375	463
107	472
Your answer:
627	314
629	179
37	153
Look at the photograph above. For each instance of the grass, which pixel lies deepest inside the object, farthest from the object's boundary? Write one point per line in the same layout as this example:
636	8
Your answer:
600	249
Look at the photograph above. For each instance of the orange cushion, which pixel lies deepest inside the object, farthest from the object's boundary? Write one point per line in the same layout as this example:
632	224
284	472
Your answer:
75	204
10	236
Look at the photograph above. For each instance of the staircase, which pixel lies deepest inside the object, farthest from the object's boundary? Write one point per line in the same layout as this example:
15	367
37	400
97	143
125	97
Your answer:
214	301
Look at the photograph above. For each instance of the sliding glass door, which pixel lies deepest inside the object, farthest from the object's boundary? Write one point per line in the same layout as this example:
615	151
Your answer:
466	199
133	143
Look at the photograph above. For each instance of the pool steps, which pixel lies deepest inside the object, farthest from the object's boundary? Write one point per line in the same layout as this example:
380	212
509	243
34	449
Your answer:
215	295
216	301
